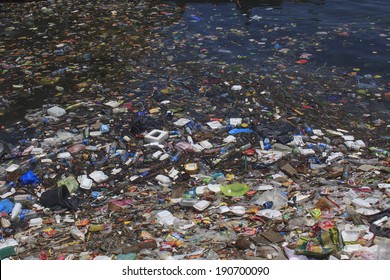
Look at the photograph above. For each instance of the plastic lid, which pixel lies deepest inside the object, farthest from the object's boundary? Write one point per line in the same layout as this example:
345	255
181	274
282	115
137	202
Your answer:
235	189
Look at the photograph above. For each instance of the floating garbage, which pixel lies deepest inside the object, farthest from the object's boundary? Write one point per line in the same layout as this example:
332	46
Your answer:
181	136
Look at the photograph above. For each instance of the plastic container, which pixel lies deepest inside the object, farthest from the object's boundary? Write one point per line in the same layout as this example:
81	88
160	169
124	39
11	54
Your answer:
6	186
163	180
188	202
35	222
156	136
201	205
98	176
165	218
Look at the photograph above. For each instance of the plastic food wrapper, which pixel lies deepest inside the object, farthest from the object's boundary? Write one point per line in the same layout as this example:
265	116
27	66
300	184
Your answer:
327	239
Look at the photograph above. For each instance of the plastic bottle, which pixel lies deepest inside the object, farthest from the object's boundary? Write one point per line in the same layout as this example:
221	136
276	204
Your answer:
181	148
267	145
86	132
6	187
346	172
324	146
27	215
308	130
177	156
16	211
188	130
112	147
24	198
228	147
200	127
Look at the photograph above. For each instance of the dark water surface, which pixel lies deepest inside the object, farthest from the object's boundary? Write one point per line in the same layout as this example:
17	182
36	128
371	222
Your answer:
339	33
326	52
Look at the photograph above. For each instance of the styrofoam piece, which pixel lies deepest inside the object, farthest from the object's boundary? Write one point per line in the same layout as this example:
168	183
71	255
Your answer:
269	213
95	133
156	136
201	205
348	137
157	154
188	202
181	122
173	173
335	133
164	157
238	210
223	209
318	132
12	168
262	187
229	139
163	180
85	182
56	111
36	151
98	176
165	218
297	141
200	190
342	130
64	155
235	121
349	144
334	157
206	144
214	188
134	177
112	104
360	143
35	222
307	152
236	87
197	148
214	124
350	236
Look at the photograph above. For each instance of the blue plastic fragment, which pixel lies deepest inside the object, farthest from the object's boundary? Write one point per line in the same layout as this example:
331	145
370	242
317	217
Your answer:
105	128
240	130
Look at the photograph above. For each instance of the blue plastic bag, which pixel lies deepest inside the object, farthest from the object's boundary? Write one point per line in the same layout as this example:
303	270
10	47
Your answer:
29	178
6	206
